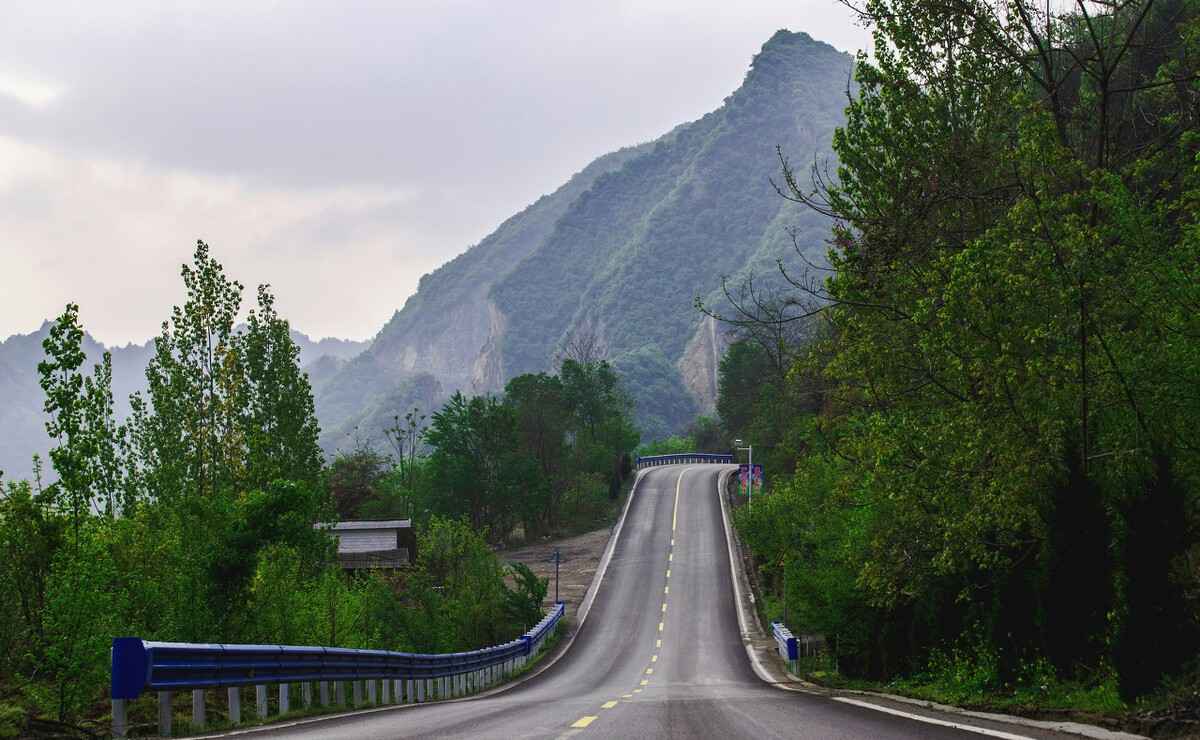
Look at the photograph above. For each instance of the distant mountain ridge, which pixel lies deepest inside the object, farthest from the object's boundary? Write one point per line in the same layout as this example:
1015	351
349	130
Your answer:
22	423
615	257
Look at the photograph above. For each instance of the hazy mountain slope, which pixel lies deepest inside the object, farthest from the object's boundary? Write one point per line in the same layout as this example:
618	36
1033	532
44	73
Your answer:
619	254
629	258
442	327
23	425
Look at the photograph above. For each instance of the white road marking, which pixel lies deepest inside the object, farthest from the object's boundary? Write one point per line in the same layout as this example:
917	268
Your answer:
933	720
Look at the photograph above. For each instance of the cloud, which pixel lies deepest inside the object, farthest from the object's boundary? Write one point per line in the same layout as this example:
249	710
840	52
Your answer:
111	235
28	92
337	149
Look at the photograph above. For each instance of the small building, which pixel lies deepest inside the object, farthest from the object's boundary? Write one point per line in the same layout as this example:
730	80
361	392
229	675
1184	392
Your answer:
368	545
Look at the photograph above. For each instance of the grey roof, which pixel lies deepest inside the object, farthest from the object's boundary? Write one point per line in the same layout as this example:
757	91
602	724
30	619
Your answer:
366	524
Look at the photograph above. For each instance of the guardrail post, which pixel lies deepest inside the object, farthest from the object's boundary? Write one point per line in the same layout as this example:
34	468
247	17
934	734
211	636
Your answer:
386	690
285	704
306	693
324	693
120	714
260	699
198	708
339	688
357	693
164	713
408	691
234	694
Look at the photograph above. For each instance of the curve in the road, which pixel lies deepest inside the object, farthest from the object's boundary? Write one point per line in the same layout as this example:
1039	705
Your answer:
659	655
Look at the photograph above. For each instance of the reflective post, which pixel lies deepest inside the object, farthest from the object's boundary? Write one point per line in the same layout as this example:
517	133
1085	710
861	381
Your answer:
198	708
120	715
164	713
234	694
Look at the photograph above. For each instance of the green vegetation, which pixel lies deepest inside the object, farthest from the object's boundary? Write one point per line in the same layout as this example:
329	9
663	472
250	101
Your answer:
612	260
547	458
984	447
194	520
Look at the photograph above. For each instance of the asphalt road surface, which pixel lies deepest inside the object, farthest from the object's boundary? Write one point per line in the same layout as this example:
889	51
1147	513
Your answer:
660	654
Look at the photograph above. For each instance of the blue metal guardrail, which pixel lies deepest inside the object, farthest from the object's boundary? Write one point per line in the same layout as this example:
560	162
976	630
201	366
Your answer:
683	457
139	666
785	643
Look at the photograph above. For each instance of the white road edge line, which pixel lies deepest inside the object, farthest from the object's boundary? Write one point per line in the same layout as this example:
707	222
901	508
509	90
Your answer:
933	720
743	625
761	671
584	607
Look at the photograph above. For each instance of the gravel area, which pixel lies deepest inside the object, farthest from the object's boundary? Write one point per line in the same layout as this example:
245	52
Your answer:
580	558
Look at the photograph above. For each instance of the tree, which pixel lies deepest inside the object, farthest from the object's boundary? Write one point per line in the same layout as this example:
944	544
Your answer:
543	419
1014	228
188	438
276	402
354	479
477	463
405	439
88	455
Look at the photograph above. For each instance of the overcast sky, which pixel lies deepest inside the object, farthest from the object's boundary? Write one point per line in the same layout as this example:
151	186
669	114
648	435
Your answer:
338	150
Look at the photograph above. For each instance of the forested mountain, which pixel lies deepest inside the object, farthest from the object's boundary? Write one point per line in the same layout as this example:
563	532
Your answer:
24	423
612	261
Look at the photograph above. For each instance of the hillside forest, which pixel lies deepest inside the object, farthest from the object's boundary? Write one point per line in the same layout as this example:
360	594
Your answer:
979	419
977	414
194	520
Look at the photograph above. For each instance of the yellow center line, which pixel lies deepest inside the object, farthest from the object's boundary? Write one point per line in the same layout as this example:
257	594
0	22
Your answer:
584	721
658	643
637	691
670	557
645	681
666	589
660	626
626	696
649	671
672	542
608	705
653	658
668	572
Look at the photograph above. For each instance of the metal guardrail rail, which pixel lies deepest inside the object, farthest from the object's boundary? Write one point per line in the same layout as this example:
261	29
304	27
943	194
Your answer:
683	458
139	666
785	643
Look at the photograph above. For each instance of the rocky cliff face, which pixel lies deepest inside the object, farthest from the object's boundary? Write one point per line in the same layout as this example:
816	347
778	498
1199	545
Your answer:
616	257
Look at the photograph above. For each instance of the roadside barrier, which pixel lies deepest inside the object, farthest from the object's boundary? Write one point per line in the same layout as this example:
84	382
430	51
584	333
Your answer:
684	458
389	677
785	643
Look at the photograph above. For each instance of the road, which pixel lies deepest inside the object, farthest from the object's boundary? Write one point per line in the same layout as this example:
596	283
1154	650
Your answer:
660	654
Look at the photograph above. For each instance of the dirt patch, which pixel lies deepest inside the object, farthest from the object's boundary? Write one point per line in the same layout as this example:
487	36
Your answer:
580	559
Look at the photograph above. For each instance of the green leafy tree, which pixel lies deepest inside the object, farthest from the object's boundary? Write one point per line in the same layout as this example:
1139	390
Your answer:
476	462
276	404
187	436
